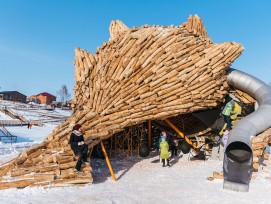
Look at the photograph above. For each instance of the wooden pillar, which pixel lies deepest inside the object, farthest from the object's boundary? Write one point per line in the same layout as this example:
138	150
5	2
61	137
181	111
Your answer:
108	162
180	133
149	133
89	153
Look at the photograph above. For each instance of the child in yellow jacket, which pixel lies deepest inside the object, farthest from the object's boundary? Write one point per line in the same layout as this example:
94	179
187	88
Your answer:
164	155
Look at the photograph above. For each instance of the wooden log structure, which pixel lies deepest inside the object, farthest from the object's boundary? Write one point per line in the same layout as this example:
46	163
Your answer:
259	144
143	73
244	97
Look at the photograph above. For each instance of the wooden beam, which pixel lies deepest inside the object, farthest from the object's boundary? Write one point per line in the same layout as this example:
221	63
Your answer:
89	153
149	133
108	162
180	133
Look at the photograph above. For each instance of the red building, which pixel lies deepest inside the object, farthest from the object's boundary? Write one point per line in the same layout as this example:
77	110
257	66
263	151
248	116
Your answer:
42	98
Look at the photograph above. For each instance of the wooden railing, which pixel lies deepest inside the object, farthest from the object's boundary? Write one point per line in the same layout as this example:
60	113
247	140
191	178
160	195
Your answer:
7	137
12	123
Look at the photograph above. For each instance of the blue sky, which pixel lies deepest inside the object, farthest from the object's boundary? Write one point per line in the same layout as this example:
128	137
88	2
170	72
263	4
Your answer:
38	37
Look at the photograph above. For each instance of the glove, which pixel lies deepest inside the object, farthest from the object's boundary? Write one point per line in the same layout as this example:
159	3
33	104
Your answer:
81	143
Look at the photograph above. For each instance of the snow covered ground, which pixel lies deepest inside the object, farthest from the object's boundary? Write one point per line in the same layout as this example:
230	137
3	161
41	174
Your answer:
34	112
3	116
138	180
25	138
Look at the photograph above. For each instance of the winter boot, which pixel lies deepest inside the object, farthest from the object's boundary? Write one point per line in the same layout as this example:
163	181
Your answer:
163	160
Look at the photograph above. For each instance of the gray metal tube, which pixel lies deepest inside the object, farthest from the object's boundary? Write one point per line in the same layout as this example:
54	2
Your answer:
237	164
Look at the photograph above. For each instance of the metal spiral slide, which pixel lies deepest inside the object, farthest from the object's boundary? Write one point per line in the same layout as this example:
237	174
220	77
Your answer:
237	164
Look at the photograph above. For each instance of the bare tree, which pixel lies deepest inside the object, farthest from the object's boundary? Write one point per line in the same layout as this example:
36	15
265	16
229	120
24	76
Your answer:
64	94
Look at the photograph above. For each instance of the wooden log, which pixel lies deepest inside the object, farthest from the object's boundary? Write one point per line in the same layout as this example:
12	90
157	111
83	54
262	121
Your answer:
41	184
44	177
16	184
22	158
67	165
73	181
46	168
218	175
62	159
256	146
19	172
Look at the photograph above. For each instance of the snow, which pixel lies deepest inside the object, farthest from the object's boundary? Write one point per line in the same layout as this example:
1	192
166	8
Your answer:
146	181
25	138
3	116
35	134
42	114
139	180
35	112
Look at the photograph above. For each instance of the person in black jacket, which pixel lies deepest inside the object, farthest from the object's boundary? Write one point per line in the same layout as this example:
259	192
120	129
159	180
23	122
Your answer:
78	146
174	146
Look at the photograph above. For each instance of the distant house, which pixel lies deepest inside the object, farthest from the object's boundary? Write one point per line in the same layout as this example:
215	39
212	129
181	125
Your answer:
42	98
69	103
12	96
56	104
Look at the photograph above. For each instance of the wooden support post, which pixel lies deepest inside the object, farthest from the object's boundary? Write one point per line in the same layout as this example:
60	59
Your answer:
111	144
149	133
89	153
108	162
180	133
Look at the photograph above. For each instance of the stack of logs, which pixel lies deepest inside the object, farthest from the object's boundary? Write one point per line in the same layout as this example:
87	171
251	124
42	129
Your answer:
244	97
44	167
259	144
146	73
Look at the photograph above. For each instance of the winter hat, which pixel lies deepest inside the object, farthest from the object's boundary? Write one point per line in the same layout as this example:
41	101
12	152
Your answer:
76	127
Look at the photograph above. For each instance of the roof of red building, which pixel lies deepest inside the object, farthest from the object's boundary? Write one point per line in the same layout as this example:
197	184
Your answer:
46	94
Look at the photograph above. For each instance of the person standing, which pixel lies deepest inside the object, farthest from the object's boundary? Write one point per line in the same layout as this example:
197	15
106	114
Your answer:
78	146
174	146
163	134
225	136
227	112
164	155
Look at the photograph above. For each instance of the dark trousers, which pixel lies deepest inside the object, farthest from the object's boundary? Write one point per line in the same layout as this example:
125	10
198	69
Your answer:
83	156
173	151
164	161
227	120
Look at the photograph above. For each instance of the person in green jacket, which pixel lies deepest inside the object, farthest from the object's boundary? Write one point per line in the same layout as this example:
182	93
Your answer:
164	155
227	111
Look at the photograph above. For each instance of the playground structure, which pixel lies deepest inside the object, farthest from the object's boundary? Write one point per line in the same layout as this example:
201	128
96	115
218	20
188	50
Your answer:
238	154
152	73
